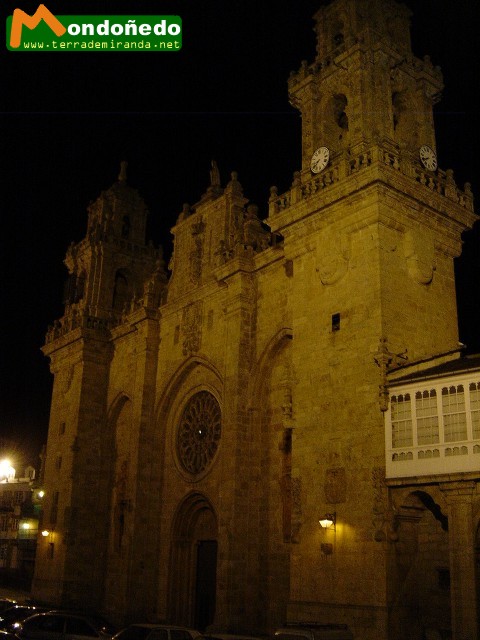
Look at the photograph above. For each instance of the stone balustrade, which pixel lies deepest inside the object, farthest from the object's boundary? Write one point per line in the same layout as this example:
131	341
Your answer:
441	182
76	320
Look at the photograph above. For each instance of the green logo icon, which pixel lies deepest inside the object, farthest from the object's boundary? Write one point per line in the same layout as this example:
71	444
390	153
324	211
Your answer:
44	31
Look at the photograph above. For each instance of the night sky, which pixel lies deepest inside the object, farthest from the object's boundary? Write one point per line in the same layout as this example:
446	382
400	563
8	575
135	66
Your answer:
68	119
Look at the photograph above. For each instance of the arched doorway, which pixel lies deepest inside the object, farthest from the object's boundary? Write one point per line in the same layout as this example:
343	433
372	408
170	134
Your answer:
420	572
193	570
280	492
121	522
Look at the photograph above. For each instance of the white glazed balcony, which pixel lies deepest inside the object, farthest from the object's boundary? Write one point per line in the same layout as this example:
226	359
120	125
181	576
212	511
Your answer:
432	427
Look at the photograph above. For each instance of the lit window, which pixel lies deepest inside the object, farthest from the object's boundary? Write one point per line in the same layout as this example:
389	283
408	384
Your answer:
475	407
402	421
427	417
454	416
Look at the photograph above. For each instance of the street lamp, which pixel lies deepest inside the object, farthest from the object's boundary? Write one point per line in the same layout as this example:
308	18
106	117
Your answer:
7	472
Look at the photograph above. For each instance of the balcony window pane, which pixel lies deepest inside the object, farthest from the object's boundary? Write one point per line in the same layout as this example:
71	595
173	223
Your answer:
427	417
401	421
454	416
475	407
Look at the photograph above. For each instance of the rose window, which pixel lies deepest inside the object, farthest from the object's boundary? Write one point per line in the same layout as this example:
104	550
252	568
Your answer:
199	432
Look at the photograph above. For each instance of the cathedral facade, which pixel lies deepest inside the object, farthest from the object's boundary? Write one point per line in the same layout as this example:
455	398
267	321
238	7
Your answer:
204	422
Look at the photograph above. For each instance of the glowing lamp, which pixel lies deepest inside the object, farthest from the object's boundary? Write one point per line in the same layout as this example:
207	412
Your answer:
329	520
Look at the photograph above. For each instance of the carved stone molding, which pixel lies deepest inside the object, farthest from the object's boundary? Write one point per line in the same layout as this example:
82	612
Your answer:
420	255
336	485
296	509
196	255
333	258
379	516
67	378
192	328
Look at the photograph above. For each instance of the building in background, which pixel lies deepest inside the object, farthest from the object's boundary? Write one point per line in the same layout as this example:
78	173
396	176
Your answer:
20	512
203	424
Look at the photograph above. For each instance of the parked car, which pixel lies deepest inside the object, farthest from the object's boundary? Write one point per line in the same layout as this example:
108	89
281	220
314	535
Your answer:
145	631
314	631
10	618
6	603
228	636
64	625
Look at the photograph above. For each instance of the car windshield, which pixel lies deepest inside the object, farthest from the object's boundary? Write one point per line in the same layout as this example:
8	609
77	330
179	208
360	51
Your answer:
99	623
17	613
133	633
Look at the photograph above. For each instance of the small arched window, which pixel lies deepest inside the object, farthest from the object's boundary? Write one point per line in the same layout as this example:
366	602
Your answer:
337	32
126	227
69	289
338	39
339	111
80	286
398	104
120	291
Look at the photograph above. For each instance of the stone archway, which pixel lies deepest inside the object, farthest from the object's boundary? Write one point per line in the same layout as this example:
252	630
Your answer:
420	572
121	525
280	492
192	594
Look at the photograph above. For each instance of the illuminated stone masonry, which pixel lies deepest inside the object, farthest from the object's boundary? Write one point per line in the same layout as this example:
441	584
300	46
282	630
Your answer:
209	414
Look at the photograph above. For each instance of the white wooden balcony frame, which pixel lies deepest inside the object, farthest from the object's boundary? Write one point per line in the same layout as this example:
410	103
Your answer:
441	457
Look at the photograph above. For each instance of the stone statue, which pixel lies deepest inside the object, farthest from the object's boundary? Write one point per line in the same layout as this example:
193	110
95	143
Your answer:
214	175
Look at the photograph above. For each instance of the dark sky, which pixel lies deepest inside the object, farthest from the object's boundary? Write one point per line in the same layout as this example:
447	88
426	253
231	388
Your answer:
68	119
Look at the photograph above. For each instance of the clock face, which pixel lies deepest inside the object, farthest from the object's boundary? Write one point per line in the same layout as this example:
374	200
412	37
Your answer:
428	158
319	159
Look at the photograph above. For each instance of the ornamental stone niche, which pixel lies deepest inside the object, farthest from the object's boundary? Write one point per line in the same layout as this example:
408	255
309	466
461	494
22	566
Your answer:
199	432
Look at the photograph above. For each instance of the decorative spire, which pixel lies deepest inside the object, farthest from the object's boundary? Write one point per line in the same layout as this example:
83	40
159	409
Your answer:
122	176
214	175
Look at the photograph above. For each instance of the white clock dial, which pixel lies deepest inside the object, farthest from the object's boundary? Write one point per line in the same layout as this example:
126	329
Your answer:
428	158
319	159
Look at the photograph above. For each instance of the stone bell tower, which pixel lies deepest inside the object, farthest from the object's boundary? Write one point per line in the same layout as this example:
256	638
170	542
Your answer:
365	85
371	226
368	150
107	270
112	271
